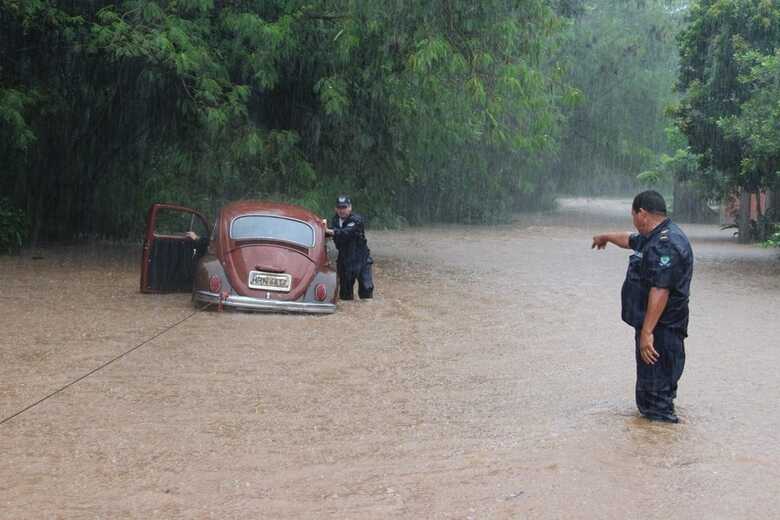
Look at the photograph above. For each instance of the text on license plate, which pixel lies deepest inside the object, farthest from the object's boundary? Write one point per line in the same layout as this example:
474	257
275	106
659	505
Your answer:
269	281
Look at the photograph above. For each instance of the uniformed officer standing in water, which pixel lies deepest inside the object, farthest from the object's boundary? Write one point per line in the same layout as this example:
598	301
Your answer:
655	301
354	262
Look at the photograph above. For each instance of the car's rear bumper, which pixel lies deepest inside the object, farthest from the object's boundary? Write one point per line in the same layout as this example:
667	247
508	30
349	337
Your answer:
259	304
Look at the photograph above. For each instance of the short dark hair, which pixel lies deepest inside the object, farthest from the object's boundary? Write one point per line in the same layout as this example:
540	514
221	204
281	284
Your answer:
650	201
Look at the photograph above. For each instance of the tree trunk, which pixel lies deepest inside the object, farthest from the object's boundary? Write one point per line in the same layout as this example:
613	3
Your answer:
773	205
743	216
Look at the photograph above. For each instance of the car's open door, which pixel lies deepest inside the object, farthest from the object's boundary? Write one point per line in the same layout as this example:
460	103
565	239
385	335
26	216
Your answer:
176	237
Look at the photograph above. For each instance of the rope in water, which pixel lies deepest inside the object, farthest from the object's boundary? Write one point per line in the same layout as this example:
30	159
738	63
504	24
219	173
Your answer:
101	367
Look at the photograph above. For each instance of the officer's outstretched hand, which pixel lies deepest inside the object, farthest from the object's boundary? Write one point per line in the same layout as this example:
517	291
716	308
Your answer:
599	242
647	349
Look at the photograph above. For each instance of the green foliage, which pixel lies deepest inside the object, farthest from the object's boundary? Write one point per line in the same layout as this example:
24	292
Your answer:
620	58
333	95
14	130
756	127
728	76
422	111
681	166
774	238
13	227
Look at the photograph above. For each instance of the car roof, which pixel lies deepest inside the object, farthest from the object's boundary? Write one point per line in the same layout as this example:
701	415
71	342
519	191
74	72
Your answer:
280	209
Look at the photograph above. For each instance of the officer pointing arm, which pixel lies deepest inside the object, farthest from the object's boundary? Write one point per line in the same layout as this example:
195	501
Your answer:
619	239
655	301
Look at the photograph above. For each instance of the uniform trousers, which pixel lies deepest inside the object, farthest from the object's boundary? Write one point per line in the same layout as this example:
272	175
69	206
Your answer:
364	278
656	384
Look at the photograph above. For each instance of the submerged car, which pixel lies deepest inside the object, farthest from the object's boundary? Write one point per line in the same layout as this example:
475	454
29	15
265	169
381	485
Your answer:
263	256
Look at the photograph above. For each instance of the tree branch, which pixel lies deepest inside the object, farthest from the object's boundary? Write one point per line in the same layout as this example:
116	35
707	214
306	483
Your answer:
322	16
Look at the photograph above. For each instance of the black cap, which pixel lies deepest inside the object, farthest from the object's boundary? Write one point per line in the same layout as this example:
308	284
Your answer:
343	201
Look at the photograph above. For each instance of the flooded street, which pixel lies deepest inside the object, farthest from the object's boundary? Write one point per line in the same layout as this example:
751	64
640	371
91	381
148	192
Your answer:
491	377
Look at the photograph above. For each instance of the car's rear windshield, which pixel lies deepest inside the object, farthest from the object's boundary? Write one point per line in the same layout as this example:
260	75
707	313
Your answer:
267	227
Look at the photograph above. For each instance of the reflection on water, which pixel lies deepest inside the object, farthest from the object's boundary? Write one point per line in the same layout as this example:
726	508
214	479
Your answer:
490	377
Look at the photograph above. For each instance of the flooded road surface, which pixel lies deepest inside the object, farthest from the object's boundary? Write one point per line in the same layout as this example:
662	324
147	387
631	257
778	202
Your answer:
491	377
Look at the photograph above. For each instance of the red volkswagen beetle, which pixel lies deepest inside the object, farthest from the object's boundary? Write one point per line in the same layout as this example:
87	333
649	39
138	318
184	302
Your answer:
264	256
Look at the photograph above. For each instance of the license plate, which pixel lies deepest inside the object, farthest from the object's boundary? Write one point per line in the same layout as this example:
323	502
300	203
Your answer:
270	281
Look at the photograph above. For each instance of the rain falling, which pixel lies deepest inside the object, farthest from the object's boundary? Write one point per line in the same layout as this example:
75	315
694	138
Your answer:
175	336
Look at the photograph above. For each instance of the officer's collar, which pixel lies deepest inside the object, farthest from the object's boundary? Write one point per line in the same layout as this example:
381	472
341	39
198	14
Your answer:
657	229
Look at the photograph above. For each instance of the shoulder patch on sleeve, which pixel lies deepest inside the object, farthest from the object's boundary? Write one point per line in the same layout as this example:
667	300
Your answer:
350	224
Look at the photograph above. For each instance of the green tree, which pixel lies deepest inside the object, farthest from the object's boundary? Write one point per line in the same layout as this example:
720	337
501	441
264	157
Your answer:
437	110
621	57
727	99
756	127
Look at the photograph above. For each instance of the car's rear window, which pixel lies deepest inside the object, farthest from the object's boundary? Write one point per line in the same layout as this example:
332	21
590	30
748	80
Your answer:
272	228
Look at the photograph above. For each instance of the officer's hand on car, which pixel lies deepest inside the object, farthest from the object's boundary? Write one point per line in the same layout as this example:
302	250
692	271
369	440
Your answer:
646	348
328	231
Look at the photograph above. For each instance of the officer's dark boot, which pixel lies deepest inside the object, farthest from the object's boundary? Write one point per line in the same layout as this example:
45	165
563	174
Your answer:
656	405
345	292
346	286
366	283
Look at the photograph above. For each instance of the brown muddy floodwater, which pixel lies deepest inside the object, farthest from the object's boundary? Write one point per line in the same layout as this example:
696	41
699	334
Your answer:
491	377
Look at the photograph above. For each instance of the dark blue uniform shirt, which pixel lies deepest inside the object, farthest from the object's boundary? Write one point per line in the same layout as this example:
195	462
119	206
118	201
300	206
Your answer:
662	259
350	239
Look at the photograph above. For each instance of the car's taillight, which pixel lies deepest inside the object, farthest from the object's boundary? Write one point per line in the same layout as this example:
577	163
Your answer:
215	283
320	292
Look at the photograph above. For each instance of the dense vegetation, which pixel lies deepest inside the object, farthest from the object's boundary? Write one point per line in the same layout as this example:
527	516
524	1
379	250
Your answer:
622	59
422	110
730	112
443	110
